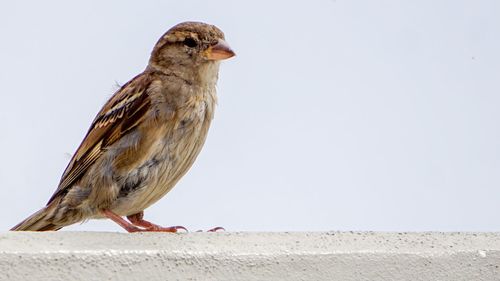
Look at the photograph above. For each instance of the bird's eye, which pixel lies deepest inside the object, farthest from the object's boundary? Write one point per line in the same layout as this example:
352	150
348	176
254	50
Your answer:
190	42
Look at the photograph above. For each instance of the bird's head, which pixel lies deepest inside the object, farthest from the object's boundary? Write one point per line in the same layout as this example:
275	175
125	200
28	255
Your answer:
190	46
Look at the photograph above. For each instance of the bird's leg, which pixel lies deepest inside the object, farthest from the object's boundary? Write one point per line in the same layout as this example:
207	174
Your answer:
119	220
137	219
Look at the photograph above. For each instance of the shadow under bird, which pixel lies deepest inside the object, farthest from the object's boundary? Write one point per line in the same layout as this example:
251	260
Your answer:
145	138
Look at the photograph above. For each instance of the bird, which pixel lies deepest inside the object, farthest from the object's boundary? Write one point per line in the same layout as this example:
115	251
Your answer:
145	137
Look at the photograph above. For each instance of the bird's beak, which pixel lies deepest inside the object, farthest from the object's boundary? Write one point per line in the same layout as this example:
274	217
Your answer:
219	51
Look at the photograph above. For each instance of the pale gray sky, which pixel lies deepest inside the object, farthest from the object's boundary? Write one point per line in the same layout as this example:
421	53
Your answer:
335	115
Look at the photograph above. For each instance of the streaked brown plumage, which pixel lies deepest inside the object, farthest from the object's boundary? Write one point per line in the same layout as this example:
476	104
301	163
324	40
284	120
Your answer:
145	138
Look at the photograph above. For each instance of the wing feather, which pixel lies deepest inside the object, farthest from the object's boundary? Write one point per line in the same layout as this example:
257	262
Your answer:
123	112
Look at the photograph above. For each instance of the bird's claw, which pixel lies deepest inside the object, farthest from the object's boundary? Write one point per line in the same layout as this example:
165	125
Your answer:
173	229
215	229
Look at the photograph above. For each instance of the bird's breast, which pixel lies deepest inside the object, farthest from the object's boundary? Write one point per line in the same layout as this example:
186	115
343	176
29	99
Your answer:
170	155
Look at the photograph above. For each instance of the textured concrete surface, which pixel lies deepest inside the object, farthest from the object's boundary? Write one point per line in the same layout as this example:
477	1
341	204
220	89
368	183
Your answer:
249	256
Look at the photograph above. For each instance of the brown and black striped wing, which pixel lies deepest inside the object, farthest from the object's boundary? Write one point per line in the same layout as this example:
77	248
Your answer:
123	112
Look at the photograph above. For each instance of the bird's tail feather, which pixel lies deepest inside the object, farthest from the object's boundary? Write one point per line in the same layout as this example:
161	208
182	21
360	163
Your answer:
39	221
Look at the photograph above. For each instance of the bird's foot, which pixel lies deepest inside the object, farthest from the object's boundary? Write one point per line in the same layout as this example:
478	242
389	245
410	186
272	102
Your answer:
172	229
157	228
137	219
215	229
137	224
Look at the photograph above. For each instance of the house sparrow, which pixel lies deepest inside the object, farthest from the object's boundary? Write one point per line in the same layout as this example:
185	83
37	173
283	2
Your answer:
145	138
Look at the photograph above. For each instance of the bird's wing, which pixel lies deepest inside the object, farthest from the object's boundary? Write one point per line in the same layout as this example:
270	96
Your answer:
123	112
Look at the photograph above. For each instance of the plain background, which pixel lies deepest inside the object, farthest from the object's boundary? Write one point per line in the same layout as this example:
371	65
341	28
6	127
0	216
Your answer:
335	115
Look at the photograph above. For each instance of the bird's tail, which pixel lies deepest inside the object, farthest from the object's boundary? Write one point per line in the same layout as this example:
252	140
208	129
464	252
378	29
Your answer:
39	221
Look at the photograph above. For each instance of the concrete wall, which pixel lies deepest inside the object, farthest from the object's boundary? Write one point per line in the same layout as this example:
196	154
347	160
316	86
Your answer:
249	256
